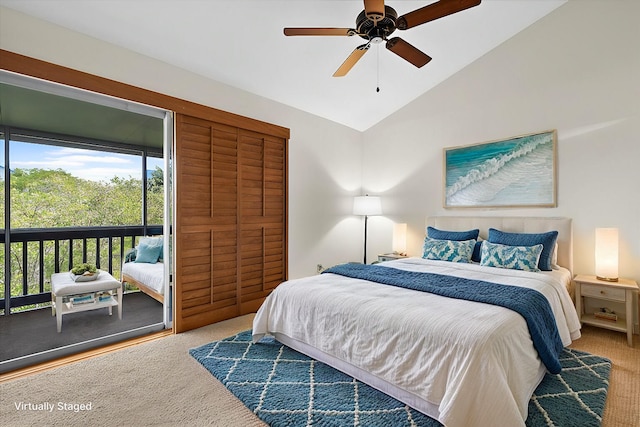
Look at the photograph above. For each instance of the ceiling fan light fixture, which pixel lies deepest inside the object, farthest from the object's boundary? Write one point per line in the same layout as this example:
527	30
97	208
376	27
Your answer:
378	21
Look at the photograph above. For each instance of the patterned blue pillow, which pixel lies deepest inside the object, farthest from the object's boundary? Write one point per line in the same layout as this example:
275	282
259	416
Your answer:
547	240
513	257
448	250
434	233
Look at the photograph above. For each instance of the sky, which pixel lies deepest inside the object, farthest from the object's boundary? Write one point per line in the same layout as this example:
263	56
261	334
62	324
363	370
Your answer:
85	164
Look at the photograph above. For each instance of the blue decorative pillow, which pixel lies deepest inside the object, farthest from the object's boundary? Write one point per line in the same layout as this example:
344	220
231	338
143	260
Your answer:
547	240
149	250
434	233
475	257
130	256
513	257
448	250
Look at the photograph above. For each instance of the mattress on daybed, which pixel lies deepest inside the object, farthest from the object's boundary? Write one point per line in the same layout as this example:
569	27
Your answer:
151	275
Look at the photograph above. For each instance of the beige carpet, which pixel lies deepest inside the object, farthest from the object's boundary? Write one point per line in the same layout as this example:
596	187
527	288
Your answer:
153	384
159	384
623	400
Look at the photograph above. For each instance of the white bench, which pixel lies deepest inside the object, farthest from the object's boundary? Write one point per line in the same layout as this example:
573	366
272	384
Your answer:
63	287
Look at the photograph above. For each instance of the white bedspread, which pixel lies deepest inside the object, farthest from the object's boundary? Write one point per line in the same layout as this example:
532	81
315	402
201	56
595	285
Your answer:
149	274
463	363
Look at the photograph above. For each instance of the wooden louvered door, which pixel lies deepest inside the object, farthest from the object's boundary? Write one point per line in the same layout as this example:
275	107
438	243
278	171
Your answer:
261	166
206	216
230	220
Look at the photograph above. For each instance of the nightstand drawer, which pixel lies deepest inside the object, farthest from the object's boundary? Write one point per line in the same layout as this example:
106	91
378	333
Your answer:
613	294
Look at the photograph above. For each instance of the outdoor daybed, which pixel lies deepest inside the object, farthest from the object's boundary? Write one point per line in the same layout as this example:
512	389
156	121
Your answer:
144	268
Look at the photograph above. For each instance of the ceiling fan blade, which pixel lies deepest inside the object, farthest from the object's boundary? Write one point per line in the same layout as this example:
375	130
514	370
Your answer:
434	11
408	52
319	32
351	60
374	9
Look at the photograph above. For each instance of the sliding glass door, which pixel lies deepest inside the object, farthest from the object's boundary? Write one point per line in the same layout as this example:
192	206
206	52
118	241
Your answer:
85	178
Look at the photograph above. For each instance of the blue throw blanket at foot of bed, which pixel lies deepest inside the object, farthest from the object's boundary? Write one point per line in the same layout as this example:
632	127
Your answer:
529	303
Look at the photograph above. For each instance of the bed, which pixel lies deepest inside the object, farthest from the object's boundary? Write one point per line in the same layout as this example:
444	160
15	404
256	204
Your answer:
147	277
143	267
461	362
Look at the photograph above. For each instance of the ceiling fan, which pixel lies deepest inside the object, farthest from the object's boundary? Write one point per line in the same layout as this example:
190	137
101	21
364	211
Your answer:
376	23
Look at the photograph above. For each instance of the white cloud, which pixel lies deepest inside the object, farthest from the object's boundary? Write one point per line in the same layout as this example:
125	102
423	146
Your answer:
85	164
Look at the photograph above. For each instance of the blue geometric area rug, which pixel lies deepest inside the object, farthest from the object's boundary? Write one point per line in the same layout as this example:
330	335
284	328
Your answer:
286	388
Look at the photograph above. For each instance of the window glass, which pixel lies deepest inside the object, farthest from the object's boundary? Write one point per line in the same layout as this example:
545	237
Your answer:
58	186
155	190
2	166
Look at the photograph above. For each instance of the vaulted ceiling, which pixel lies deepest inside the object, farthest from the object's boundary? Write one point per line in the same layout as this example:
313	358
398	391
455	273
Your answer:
241	43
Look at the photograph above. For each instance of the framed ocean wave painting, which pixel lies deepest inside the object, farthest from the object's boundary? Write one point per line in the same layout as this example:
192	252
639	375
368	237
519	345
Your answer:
514	172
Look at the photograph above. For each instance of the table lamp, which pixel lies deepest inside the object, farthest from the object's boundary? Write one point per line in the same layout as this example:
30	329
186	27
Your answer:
399	242
607	254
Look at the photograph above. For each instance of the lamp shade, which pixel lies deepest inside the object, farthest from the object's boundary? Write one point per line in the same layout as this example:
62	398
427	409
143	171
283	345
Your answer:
367	205
607	254
399	242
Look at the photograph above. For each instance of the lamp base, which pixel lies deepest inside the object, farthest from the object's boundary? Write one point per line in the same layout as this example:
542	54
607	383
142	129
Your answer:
607	279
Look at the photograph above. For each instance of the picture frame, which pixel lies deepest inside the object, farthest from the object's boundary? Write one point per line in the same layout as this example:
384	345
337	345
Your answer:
519	171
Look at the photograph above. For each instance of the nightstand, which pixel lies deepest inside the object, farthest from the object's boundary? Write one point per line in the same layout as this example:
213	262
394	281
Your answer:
390	257
600	290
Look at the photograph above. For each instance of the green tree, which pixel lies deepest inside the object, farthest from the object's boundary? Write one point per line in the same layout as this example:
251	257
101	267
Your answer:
155	183
155	197
43	198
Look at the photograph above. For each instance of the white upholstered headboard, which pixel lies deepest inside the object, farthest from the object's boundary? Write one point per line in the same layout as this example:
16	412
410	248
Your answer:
514	224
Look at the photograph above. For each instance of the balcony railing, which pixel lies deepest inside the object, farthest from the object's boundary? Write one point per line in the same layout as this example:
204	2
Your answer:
36	253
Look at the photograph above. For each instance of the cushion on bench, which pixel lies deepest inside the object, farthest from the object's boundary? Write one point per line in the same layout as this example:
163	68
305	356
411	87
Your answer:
62	284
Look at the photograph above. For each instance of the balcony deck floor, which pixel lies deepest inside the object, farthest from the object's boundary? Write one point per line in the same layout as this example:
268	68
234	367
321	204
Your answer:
34	332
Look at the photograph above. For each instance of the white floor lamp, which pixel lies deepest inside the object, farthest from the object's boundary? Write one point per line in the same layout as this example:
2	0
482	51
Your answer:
367	206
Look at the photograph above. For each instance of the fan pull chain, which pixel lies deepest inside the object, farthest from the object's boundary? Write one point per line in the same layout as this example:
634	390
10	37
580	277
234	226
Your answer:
377	68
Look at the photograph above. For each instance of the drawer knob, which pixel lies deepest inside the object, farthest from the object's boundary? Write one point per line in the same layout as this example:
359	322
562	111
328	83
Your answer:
601	292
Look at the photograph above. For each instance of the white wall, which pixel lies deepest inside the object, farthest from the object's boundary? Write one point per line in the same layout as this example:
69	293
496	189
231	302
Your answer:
576	70
324	157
